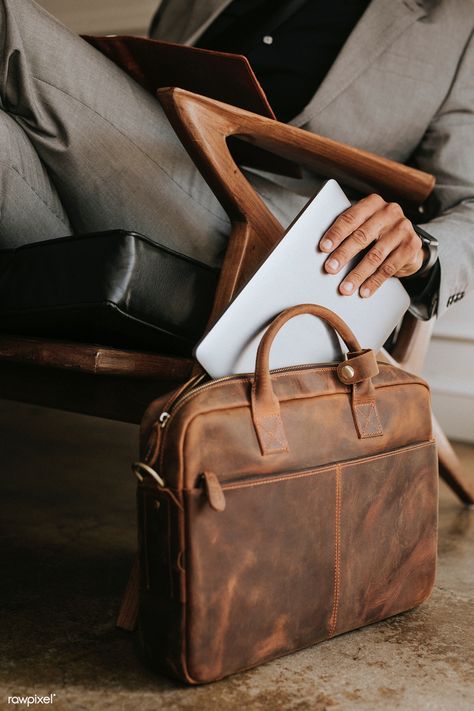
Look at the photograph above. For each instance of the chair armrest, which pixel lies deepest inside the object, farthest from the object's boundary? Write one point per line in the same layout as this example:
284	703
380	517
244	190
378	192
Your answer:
204	125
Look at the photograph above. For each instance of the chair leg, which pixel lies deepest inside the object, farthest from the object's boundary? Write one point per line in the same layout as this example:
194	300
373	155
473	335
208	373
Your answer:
450	468
128	613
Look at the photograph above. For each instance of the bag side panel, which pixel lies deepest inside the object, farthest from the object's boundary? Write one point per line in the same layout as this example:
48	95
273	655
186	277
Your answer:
160	623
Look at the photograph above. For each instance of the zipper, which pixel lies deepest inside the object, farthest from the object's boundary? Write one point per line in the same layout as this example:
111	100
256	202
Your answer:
215	489
167	413
154	447
174	405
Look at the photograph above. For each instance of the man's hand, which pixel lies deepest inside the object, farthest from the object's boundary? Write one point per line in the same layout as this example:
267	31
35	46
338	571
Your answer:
396	251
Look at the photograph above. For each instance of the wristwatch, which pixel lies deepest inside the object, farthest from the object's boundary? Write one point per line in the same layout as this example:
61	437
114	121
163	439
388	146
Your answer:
430	245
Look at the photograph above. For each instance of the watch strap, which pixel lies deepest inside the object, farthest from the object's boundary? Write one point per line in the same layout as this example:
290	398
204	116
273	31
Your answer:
431	244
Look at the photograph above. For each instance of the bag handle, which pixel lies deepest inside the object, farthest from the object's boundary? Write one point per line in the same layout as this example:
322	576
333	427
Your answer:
357	374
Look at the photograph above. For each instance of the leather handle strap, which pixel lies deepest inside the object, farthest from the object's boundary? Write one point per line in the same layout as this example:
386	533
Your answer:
356	372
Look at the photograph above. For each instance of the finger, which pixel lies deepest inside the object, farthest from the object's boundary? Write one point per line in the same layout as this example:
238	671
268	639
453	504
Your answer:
415	258
373	260
389	268
360	238
350	220
409	258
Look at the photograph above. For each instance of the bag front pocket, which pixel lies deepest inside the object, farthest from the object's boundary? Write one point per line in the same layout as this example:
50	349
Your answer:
387	528
297	557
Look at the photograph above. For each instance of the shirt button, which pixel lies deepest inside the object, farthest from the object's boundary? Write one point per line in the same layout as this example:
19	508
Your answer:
268	39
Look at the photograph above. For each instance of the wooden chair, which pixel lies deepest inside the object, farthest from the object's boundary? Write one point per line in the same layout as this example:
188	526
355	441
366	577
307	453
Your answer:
119	384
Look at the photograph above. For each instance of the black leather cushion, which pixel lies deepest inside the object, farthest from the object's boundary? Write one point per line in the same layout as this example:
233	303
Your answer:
113	288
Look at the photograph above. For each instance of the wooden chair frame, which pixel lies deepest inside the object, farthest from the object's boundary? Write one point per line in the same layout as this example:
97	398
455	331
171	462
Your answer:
120	384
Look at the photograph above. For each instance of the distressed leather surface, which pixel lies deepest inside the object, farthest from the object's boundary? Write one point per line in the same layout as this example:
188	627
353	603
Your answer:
214	431
274	552
266	575
387	527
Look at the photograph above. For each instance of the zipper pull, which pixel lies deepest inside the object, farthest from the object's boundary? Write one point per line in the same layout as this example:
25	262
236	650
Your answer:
154	448
215	494
163	419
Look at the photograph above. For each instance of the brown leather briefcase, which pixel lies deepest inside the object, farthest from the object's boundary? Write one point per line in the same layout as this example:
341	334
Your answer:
280	509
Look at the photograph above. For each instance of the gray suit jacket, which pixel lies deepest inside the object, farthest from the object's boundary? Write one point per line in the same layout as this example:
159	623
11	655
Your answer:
403	87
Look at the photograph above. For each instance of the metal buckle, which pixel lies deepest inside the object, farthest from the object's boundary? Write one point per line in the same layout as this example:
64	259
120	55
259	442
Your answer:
139	467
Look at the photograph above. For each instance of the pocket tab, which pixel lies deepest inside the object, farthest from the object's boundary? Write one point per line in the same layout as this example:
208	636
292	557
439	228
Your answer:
215	494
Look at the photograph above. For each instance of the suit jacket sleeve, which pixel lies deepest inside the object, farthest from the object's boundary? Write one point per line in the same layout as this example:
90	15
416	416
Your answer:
447	151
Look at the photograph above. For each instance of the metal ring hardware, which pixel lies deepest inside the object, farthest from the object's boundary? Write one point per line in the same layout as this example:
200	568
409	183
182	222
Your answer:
139	467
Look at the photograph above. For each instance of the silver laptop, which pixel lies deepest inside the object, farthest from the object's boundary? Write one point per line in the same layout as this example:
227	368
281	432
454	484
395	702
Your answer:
294	274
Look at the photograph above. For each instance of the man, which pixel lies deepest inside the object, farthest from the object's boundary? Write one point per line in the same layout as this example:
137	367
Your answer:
390	76
90	150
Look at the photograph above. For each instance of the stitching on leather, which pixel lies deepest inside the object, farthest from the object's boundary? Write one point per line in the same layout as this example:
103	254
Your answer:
304	396
272	435
337	557
250	484
371	412
324	468
383	455
363	412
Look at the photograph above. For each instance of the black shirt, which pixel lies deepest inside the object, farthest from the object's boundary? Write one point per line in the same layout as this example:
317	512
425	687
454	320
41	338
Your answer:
291	60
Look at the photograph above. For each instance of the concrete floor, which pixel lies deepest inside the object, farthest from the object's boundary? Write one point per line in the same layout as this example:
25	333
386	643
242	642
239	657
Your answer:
67	517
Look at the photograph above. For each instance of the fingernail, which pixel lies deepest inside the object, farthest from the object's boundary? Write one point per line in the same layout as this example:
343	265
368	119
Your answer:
332	264
347	287
365	292
326	244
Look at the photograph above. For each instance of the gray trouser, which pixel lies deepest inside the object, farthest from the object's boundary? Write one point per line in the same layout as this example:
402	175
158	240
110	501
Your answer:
85	148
